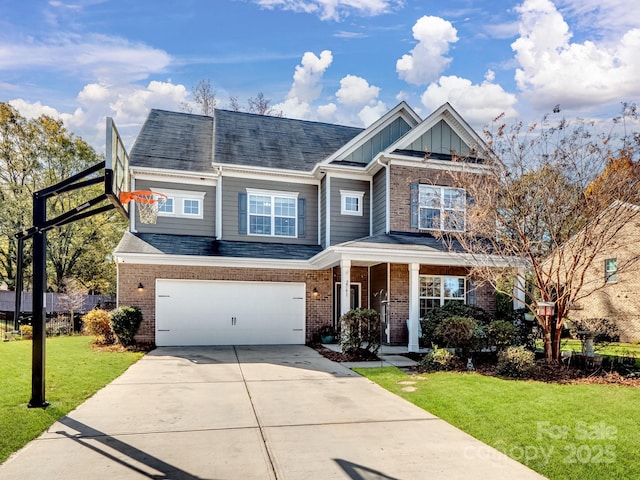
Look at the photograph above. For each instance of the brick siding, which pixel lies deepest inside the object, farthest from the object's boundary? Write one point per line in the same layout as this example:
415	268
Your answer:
318	309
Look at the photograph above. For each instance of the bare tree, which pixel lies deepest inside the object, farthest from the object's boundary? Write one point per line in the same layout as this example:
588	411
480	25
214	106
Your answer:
204	95
234	104
543	200
260	105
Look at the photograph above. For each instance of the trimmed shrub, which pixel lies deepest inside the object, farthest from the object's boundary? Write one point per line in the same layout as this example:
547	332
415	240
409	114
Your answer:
360	327
462	333
451	309
125	322
97	322
516	362
26	331
437	360
502	334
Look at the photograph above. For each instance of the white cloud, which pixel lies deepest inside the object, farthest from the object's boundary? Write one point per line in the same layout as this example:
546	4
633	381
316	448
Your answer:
100	57
611	16
553	70
327	112
478	104
371	113
356	91
428	58
306	86
34	110
128	105
333	9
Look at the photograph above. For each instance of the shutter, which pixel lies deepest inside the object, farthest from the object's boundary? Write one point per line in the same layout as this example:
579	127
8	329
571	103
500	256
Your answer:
471	292
415	203
301	217
242	213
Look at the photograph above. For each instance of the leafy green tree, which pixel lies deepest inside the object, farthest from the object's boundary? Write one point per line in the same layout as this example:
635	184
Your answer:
35	154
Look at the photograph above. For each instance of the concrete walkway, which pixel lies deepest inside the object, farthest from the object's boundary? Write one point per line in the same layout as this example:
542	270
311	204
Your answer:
281	412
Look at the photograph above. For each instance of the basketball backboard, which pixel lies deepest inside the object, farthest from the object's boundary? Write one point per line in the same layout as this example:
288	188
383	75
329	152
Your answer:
116	169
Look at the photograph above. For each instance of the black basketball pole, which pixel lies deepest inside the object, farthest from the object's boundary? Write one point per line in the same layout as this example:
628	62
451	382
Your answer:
39	312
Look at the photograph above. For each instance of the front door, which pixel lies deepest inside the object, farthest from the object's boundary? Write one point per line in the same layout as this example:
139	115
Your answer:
354	296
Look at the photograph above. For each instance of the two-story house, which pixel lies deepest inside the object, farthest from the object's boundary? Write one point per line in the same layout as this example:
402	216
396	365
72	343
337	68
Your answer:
274	227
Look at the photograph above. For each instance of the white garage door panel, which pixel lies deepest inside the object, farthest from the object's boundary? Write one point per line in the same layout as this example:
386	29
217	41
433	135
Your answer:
197	312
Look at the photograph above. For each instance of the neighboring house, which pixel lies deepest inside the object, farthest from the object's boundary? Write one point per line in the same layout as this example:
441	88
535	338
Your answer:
612	281
275	227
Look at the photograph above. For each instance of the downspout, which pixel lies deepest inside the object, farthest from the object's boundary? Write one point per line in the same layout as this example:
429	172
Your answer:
219	204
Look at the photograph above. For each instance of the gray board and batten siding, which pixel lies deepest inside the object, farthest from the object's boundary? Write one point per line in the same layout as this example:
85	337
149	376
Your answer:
348	227
368	150
181	225
379	213
440	139
231	209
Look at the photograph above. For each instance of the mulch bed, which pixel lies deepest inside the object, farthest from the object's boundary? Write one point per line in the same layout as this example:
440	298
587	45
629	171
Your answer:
542	373
361	355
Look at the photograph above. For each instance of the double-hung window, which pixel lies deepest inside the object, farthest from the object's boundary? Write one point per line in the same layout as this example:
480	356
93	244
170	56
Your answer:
273	213
441	208
611	270
435	291
181	203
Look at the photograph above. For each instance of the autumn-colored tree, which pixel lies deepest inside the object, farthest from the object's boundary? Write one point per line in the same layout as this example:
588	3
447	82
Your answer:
540	205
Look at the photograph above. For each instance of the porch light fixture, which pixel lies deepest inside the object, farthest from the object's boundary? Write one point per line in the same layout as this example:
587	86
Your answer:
315	292
545	309
140	287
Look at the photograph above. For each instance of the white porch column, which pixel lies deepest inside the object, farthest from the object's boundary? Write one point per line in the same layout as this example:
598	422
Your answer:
345	286
519	285
414	306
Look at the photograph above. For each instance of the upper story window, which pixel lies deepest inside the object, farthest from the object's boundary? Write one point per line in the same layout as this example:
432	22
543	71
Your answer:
351	202
272	213
441	208
181	203
611	270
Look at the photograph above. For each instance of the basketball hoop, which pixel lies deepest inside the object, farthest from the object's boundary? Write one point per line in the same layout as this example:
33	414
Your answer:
149	203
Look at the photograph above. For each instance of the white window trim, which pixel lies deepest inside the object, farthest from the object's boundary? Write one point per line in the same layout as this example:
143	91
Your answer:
611	276
344	194
179	196
442	297
442	209
273	194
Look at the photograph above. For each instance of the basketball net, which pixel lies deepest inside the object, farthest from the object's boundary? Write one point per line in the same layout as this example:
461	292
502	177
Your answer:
148	203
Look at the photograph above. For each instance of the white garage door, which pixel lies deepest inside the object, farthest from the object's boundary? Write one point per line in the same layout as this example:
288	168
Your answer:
198	312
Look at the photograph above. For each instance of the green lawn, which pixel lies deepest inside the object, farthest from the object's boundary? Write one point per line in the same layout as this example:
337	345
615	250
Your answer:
612	349
561	431
74	372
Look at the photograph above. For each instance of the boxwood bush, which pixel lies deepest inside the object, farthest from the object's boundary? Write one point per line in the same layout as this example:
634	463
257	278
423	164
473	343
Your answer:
125	322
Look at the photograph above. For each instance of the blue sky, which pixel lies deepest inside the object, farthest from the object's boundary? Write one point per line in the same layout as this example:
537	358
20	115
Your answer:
344	61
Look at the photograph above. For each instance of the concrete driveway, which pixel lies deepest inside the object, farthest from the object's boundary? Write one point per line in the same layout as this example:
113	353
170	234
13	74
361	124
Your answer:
272	412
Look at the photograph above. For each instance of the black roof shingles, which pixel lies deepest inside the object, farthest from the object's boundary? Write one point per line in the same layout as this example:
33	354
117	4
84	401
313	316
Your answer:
169	244
176	141
183	141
